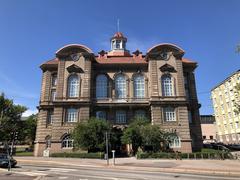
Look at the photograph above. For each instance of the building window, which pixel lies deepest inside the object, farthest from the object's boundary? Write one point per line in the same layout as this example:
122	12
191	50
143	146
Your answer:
176	143
141	114
48	142
189	116
120	86
101	115
211	137
71	115
54	80
227	138
169	114
121	117
204	137
118	44
139	86
101	86
50	117
233	137
53	95
67	142
73	86
167	85
237	125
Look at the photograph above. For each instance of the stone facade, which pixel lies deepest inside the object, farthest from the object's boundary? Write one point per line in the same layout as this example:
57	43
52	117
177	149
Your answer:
160	60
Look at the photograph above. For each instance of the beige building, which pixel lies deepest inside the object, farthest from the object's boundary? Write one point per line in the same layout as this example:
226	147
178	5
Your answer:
227	121
117	86
209	131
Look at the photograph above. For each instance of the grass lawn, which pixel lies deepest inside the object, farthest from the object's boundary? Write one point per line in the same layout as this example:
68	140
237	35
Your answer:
207	150
24	153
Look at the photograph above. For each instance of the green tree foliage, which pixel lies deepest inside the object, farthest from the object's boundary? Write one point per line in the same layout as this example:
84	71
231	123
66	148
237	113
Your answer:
141	134
29	129
236	100
91	135
132	134
10	118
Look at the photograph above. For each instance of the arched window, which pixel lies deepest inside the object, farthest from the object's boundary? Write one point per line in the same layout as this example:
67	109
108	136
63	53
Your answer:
101	115
101	86
67	142
176	143
140	114
73	86
120	86
48	141
167	85
139	86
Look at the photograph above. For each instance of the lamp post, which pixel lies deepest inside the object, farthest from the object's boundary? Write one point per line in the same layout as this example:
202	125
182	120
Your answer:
106	134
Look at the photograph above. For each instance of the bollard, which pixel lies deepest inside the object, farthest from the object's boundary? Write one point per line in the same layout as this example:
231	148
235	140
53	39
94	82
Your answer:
113	155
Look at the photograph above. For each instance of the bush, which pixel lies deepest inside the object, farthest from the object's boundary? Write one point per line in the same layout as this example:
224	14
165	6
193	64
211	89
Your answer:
197	155
99	155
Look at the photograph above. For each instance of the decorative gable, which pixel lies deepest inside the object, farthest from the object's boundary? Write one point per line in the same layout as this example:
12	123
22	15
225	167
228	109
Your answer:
74	68
167	68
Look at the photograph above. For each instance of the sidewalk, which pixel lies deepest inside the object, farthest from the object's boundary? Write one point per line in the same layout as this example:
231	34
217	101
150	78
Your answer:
217	167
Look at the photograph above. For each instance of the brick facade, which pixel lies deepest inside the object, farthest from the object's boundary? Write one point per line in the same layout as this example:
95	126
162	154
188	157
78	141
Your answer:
88	66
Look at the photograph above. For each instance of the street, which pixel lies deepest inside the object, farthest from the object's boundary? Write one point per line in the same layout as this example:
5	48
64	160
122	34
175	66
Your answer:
49	172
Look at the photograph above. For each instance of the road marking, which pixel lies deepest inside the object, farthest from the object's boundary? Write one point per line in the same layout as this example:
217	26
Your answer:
61	170
31	173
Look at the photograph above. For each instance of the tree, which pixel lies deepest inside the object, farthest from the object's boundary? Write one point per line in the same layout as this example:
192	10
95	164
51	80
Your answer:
29	129
10	118
236	100
91	135
132	134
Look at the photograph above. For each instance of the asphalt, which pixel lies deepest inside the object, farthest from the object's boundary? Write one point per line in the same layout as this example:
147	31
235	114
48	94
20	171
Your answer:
216	167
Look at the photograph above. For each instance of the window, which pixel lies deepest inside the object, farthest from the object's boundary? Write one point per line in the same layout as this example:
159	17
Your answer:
73	86
118	44
176	143
139	87
211	137
101	115
227	138
53	95
233	137
169	114
67	142
54	80
140	114
71	115
167	85
48	141
120	86
237	125
204	137
50	117
189	116
121	117
101	86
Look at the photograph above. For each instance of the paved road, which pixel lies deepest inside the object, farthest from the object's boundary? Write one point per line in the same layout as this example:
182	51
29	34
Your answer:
48	172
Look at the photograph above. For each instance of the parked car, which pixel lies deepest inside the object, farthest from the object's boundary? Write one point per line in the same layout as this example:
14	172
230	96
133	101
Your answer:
235	147
4	160
220	147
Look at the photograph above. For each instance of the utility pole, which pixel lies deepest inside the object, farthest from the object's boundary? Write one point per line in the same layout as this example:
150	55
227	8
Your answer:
106	134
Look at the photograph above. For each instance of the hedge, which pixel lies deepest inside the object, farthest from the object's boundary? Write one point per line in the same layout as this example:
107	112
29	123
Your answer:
98	155
197	155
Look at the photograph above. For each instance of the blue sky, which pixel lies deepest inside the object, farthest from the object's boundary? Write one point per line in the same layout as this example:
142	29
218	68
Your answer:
31	32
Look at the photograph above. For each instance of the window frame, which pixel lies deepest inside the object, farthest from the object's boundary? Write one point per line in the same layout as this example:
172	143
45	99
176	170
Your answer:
70	117
99	116
169	114
167	83
121	117
176	143
139	86
73	90
102	86
120	86
67	142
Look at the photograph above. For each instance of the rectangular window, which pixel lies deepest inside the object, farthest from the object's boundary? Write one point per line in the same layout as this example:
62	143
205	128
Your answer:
169	114
101	115
50	117
54	80
189	116
204	137
121	117
211	137
53	95
237	125
71	115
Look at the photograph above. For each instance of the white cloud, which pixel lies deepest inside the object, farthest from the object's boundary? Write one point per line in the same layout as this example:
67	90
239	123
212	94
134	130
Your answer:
29	112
